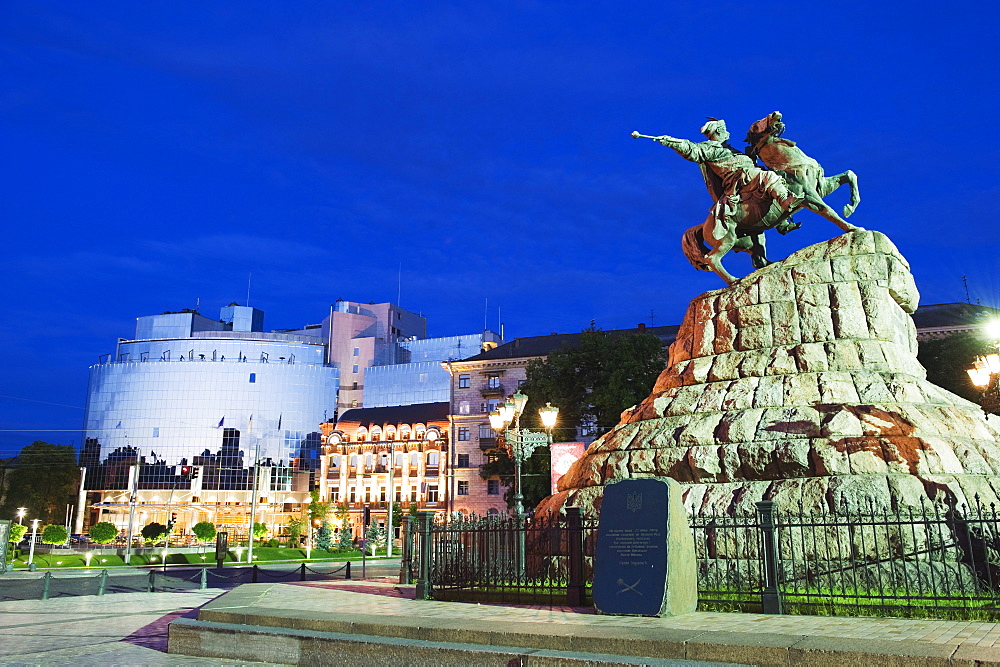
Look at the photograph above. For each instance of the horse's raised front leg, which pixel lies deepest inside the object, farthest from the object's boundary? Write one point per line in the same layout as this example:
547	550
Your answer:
815	203
831	183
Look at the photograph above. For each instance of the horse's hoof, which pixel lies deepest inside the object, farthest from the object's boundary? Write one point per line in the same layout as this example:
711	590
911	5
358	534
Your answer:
848	209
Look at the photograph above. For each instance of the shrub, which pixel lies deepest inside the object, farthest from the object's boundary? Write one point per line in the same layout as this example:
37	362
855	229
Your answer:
103	532
153	532
273	543
204	531
53	534
346	542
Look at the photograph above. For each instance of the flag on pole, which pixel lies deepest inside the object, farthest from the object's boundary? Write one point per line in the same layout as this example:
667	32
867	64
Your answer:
221	422
279	421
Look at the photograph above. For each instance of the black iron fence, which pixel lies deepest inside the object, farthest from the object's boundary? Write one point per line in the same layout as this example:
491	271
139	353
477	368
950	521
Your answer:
538	560
886	559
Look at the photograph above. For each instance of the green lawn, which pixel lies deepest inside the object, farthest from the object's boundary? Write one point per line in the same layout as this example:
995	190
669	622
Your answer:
110	557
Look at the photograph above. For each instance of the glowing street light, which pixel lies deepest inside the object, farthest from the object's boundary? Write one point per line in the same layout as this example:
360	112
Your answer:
21	511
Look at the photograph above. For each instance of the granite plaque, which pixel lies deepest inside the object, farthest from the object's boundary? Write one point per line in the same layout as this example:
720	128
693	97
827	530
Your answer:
644	563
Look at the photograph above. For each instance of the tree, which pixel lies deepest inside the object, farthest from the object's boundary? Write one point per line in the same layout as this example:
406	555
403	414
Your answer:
204	530
153	532
318	510
346	540
375	537
103	532
43	478
296	527
259	530
54	534
17	532
947	359
324	537
591	384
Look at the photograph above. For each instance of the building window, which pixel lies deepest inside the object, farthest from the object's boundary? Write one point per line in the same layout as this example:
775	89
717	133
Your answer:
493	487
493	381
432	458
463	408
357	351
354	369
354	494
485	431
463	461
413	494
432	494
463	488
253	378
381	495
335	495
463	433
156	431
354	385
399	495
464	381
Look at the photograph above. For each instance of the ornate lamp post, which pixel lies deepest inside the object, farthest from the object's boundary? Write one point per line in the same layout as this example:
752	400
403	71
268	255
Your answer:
521	442
985	374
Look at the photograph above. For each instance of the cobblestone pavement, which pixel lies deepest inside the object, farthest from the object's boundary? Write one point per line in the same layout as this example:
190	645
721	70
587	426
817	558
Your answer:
122	629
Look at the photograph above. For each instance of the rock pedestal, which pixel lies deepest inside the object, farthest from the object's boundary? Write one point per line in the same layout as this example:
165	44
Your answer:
800	384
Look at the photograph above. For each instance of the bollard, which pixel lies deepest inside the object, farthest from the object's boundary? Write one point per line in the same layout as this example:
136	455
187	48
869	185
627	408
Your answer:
151	583
46	583
102	582
770	598
203	584
302	572
253	576
347	574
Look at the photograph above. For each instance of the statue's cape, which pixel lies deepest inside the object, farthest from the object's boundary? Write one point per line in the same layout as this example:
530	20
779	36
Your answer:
712	181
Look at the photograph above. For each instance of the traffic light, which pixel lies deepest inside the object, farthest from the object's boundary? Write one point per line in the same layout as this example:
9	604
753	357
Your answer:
367	516
173	520
186	472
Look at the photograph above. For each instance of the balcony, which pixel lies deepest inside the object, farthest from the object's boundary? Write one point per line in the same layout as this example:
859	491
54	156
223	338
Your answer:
493	389
487	443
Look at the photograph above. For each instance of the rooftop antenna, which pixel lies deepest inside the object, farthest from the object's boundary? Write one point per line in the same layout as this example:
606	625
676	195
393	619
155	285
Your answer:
197	304
652	317
249	276
965	282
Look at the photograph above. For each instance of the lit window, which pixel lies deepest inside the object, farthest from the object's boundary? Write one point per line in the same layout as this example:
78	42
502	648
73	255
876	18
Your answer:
463	408
463	488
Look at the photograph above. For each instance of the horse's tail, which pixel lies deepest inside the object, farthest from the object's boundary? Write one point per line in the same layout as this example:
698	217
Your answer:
694	247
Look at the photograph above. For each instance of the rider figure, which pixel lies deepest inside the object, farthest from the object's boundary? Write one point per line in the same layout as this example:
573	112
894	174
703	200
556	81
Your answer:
735	182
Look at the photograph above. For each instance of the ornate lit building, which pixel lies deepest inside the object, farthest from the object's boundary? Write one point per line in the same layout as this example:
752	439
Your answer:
373	455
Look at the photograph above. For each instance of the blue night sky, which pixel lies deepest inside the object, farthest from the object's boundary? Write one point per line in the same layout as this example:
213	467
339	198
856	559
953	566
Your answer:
158	153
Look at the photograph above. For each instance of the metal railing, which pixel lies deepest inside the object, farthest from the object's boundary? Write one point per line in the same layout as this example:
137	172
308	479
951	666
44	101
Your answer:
891	559
503	558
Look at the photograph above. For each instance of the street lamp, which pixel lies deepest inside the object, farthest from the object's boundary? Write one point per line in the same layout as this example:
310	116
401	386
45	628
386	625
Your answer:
34	535
985	374
521	442
21	511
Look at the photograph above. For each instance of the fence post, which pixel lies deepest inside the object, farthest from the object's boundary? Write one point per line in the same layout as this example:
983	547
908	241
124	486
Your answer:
151	582
424	545
574	534
204	577
253	575
102	582
46	583
405	565
302	572
347	572
770	598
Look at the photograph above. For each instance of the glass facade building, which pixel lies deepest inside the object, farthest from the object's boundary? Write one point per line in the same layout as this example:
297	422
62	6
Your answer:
193	391
416	374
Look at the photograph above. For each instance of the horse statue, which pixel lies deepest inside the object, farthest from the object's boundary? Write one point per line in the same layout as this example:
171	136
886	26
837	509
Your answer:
785	156
748	200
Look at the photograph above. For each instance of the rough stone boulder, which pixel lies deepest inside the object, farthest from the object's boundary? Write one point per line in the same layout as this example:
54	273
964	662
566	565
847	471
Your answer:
800	384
